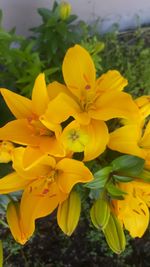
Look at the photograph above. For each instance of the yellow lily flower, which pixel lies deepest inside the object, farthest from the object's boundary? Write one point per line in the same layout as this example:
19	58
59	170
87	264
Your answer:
133	140
46	183
88	98
28	128
133	210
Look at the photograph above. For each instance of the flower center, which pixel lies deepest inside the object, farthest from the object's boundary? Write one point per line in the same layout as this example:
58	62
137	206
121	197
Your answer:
39	129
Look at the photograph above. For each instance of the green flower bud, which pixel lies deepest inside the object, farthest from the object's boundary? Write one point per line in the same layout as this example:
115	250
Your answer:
100	213
68	213
114	235
65	10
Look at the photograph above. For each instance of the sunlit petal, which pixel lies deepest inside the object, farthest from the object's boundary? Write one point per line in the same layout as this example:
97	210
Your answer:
60	109
78	71
111	80
18	131
40	97
126	139
115	105
19	105
37	202
71	172
12	182
98	139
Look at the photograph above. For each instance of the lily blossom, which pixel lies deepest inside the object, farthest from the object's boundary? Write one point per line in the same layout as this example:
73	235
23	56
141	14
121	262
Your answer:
46	183
133	210
28	128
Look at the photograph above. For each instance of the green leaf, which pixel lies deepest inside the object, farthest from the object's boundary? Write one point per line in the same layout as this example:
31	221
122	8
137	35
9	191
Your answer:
123	179
128	165
100	178
1	254
114	191
44	13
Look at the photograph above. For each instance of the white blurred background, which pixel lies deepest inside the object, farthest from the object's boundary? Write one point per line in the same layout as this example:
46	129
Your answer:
127	13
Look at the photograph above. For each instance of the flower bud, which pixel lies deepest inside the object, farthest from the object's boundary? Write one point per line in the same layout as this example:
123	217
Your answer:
114	234
68	213
65	10
15	223
100	213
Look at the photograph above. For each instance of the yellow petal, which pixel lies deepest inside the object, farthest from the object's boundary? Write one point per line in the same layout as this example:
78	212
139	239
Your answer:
6	149
126	139
135	217
71	172
52	146
145	140
115	105
34	204
111	80
15	222
143	102
63	105
19	105
55	88
78	71
12	182
18	131
40	97
31	155
98	139
40	167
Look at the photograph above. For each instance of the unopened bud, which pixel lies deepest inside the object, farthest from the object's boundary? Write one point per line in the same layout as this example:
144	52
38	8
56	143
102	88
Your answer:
68	213
15	223
65	10
100	213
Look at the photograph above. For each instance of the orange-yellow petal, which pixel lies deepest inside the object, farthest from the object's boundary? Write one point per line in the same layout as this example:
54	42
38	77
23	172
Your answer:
52	146
12	182
98	139
39	168
145	140
55	88
135	215
71	172
115	105
18	131
60	109
143	103
78	71
126	140
19	105
40	97
111	80
37	202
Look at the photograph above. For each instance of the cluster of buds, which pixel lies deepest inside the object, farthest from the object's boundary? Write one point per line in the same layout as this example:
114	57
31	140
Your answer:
58	132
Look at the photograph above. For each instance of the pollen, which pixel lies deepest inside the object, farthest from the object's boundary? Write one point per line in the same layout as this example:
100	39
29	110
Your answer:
74	135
